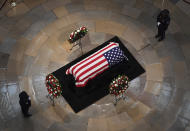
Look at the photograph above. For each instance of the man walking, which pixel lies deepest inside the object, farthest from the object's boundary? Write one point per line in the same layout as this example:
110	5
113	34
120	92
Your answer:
163	21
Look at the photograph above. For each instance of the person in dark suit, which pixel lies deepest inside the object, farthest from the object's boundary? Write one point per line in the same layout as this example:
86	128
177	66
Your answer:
163	21
25	103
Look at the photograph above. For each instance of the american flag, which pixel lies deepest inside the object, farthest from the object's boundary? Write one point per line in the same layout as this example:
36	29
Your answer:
96	63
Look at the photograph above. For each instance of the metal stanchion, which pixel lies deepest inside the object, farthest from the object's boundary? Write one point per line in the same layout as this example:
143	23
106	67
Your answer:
78	43
119	97
51	99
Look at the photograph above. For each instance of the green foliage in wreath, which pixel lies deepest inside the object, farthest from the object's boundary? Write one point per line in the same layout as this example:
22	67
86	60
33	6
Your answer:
77	34
53	86
119	85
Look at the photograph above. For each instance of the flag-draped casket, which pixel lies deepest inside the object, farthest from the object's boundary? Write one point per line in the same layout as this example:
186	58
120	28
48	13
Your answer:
96	63
87	83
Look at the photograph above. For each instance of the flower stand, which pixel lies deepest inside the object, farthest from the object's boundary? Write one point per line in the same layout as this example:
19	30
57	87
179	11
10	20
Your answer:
118	88
53	87
76	36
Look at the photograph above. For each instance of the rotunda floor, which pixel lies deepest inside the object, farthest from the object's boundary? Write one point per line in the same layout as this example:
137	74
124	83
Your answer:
33	43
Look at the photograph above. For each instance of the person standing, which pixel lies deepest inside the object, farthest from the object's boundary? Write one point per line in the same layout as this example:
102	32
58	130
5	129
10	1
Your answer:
25	103
163	21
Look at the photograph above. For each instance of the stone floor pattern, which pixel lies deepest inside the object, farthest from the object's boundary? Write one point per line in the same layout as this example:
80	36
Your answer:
33	43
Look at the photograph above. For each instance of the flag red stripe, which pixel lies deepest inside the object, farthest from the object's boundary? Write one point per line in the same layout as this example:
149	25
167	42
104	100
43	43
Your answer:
93	73
81	85
87	64
73	68
89	69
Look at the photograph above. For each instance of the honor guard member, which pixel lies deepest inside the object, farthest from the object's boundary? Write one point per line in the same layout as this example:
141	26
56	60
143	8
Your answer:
163	21
25	103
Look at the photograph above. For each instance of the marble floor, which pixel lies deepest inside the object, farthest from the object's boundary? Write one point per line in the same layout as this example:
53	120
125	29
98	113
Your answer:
33	43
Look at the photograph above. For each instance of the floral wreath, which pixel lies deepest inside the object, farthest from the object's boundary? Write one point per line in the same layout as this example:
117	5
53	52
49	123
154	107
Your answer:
77	34
53	86
119	85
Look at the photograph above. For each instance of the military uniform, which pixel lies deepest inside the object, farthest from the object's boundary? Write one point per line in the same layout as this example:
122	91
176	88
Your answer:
163	21
25	103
